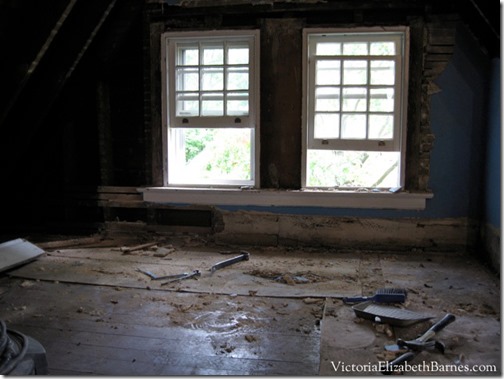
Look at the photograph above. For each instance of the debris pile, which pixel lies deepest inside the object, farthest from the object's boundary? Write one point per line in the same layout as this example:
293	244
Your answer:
289	278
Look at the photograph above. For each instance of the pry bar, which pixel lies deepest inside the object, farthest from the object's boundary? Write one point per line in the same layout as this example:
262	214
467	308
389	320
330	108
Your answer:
151	275
185	275
244	256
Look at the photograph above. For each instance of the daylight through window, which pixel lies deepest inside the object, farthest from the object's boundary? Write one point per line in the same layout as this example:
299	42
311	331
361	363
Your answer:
355	109
211	83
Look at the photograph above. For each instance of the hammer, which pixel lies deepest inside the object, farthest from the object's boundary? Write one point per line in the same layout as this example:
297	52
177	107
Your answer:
425	342
421	343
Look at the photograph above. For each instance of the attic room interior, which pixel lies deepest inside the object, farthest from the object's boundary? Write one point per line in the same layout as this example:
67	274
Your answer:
233	187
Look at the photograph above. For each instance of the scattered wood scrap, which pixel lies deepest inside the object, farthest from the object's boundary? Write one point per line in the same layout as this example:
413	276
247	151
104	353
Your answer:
128	250
70	242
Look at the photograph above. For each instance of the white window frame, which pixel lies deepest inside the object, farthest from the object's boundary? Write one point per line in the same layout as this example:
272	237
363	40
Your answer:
398	142
172	121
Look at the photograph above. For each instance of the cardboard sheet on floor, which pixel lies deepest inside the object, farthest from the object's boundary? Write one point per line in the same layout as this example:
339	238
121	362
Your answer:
263	275
17	252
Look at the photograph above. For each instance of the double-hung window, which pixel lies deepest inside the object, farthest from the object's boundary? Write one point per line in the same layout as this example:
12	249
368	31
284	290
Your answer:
210	108
355	108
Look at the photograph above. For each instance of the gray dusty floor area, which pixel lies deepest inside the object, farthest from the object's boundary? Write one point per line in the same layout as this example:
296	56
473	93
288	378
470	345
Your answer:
96	312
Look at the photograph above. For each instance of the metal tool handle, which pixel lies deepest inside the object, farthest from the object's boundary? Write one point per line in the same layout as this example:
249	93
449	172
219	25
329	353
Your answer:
391	366
438	326
244	256
176	278
356	299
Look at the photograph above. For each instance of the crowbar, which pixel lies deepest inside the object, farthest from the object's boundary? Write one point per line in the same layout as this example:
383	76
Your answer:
151	275
244	256
185	275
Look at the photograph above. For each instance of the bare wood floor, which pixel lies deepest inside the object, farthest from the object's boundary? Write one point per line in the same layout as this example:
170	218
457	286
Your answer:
112	330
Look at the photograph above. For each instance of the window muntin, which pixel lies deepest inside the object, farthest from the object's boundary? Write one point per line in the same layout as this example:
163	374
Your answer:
354	117
212	79
355	90
210	109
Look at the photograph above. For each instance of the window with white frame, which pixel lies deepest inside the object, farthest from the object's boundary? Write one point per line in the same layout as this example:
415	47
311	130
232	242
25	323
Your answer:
355	108
211	108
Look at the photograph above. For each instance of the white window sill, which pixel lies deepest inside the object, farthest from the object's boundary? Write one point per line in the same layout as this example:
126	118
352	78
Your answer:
286	198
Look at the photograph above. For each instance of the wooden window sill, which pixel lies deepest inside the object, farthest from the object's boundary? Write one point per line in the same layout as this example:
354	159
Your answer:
286	198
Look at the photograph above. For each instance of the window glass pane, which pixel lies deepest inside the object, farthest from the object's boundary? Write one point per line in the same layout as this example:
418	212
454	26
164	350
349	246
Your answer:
383	72
238	55
215	76
326	125
187	79
328	48
383	48
381	127
355	99
238	78
237	104
212	79
355	48
187	54
213	154
327	99
210	88
212	104
338	168
355	72
188	104
355	92
327	72
213	54
381	100
353	126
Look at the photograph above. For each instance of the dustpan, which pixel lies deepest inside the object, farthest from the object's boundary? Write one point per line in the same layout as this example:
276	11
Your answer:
388	315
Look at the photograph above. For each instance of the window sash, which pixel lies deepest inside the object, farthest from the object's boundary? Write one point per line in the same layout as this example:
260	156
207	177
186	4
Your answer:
228	105
178	170
240	93
345	92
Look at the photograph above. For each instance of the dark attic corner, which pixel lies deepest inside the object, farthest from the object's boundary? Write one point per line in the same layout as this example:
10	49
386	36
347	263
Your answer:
232	187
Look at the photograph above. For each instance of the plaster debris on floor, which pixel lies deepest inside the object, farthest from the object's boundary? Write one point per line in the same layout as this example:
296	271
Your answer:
279	312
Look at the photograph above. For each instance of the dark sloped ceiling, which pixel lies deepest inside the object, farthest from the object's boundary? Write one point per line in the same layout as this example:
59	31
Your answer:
44	45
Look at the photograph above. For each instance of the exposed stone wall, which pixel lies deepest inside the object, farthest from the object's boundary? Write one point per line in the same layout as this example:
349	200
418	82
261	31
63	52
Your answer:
438	49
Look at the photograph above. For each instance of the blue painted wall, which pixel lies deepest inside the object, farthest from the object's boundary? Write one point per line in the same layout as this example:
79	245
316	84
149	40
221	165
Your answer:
493	168
459	122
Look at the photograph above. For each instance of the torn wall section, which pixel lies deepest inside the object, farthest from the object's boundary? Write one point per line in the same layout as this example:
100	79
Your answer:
244	227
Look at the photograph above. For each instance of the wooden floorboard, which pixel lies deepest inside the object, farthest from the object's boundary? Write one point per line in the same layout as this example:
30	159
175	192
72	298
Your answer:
110	267
96	330
112	330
